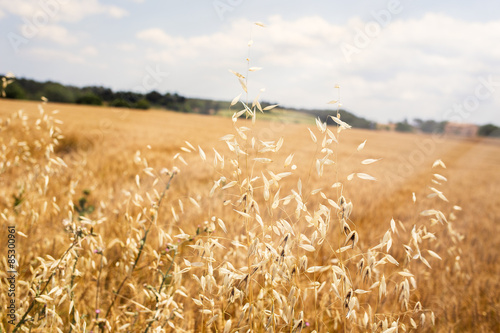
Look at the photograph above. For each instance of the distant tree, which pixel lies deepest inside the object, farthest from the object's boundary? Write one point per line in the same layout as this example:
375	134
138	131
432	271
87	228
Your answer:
216	107
142	104
417	122
32	88
15	91
404	127
206	106
89	99
429	126
97	95
56	92
120	103
179	99
105	94
167	99
489	130
154	97
129	96
176	102
346	116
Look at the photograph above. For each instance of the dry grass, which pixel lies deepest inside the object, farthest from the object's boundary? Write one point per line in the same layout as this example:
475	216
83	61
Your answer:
95	240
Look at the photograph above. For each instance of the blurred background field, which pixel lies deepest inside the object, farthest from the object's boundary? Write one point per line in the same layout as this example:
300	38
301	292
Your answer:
100	143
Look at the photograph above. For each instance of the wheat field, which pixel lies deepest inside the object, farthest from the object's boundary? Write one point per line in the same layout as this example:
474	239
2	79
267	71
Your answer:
123	226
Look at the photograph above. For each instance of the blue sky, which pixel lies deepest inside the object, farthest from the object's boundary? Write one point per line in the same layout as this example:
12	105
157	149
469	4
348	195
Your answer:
393	59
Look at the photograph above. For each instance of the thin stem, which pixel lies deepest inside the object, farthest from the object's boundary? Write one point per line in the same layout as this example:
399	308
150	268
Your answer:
97	291
72	294
32	304
160	289
141	247
338	144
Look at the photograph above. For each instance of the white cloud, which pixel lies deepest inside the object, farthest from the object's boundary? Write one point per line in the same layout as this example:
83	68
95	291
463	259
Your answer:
89	51
20	8
413	68
115	12
155	35
127	47
46	54
59	10
57	34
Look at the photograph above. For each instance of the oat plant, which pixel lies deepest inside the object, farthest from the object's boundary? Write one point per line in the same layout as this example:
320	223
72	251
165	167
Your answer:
258	248
284	257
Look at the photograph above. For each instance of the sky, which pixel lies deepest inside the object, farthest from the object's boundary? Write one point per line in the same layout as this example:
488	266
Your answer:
393	60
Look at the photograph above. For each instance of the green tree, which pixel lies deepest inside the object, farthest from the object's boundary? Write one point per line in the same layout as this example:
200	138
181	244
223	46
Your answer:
105	94
120	103
15	91
154	97
489	130
429	126
142	104
33	89
404	127
56	92
89	99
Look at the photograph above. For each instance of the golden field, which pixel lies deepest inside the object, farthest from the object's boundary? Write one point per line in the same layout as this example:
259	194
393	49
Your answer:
102	246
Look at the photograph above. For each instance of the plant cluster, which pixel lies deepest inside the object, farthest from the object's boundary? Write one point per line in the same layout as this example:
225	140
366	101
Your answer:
267	251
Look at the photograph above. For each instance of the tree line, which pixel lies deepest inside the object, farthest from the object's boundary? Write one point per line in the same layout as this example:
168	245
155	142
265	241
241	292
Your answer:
432	126
28	89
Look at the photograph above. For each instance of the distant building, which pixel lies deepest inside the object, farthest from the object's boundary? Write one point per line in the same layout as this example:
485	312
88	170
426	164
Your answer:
458	129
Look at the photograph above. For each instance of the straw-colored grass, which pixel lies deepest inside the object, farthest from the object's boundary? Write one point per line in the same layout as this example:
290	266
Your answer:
116	233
